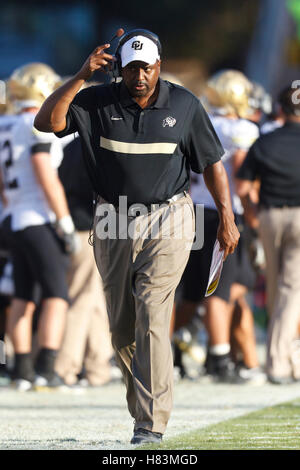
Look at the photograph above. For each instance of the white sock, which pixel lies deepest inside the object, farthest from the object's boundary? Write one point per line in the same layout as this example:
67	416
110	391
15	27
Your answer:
220	349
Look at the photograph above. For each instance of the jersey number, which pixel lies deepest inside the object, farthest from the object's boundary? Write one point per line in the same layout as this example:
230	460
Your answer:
7	162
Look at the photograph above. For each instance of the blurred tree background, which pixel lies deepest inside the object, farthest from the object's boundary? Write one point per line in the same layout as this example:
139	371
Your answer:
215	32
62	33
198	36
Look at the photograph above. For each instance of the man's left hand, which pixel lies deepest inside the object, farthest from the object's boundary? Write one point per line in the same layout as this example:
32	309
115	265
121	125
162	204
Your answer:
228	235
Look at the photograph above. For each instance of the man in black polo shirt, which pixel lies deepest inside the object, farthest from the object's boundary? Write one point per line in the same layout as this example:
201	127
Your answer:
140	138
274	159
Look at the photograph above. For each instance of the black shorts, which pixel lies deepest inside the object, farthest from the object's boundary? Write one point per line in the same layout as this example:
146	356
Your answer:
236	269
39	263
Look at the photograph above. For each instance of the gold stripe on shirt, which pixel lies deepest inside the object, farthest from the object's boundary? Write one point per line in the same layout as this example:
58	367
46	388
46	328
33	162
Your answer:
133	148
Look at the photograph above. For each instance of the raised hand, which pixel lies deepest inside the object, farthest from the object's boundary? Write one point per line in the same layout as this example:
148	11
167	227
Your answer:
97	60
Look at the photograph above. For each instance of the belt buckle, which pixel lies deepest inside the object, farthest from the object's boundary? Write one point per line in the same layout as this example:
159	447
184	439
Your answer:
176	197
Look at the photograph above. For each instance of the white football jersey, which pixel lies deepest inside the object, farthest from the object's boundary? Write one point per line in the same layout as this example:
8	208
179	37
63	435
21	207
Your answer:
27	203
234	134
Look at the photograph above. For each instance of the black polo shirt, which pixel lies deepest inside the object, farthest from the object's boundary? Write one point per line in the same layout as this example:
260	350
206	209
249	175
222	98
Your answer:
144	154
275	159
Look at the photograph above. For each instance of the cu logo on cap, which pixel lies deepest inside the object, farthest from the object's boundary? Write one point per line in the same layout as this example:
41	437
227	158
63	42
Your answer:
137	45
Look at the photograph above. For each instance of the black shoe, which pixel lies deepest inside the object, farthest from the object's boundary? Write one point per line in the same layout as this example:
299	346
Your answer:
222	369
143	436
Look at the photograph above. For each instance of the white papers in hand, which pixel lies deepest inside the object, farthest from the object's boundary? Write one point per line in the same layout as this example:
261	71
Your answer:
215	269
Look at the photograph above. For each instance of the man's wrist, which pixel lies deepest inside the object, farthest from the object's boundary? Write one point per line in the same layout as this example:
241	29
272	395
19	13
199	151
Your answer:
82	76
226	214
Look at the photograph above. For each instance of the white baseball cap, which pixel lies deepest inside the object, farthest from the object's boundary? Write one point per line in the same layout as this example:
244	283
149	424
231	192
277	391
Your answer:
139	48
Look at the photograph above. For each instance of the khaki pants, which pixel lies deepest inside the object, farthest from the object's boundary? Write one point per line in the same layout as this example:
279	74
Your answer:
87	339
140	275
280	234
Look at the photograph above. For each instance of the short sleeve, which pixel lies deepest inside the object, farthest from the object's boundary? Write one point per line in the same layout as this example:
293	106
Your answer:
202	145
77	111
245	134
249	169
40	141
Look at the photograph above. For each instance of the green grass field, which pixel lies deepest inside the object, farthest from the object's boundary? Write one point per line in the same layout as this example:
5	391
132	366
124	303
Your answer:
276	428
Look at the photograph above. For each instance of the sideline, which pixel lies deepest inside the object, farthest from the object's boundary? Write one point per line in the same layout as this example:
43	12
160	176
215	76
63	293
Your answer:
99	420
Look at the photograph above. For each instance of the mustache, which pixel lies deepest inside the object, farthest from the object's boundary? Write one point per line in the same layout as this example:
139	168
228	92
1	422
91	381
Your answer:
139	83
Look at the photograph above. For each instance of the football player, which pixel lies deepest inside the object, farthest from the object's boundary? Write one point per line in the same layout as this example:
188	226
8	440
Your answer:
227	96
38	226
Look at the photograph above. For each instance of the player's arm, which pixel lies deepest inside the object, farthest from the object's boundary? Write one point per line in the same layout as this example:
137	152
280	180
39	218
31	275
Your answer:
247	186
216	180
55	195
52	114
238	159
245	189
50	183
2	195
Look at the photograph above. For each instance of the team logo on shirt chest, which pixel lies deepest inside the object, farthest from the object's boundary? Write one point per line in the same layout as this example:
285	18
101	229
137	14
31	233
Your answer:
169	122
